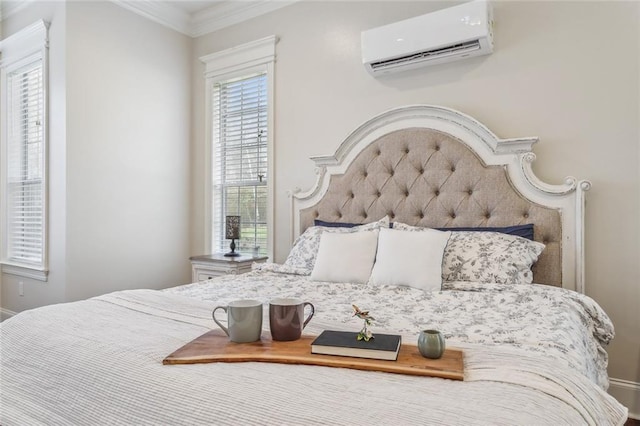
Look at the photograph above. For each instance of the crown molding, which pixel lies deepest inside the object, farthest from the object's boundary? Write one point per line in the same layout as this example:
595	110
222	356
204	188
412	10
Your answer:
227	13
221	15
160	12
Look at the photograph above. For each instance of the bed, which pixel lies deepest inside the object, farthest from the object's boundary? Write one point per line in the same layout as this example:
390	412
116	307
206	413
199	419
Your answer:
507	289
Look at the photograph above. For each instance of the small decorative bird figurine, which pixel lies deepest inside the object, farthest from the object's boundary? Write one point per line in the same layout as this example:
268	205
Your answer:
364	334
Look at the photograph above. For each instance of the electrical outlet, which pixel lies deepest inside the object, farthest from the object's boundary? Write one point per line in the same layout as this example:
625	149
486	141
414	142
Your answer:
21	288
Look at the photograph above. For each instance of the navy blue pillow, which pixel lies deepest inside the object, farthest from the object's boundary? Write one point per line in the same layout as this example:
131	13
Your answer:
335	224
524	231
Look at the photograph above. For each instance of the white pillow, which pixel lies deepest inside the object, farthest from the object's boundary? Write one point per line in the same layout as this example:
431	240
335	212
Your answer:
345	257
411	259
302	256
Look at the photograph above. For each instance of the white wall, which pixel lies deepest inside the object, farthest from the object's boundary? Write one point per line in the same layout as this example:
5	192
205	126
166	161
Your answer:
119	146
552	75
128	108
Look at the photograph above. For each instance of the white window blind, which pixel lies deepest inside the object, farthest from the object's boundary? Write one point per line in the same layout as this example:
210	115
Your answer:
240	161
24	164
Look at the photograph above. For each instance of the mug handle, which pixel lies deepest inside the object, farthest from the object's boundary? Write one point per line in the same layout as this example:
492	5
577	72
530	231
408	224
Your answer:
213	314
313	311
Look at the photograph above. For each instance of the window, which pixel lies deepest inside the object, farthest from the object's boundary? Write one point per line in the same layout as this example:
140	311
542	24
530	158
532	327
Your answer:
23	154
240	157
240	167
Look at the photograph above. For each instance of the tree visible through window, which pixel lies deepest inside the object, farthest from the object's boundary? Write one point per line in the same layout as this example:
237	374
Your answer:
240	161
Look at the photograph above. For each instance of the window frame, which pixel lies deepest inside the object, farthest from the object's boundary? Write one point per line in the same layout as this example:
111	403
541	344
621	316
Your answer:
26	46
250	58
228	151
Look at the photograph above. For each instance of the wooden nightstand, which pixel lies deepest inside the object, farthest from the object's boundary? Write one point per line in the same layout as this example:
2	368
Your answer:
213	265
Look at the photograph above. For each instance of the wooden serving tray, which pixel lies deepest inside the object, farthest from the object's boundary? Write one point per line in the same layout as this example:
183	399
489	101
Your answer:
215	346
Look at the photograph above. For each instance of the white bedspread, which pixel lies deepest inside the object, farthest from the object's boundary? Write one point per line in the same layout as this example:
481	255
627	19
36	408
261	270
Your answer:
536	357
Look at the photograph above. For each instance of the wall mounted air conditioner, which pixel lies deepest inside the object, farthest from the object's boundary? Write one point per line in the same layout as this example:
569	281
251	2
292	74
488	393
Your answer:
446	35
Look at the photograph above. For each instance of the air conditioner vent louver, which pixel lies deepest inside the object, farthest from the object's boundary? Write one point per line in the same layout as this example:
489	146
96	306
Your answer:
456	49
446	35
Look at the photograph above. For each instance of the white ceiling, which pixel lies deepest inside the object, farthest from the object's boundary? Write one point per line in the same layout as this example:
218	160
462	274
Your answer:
193	18
192	7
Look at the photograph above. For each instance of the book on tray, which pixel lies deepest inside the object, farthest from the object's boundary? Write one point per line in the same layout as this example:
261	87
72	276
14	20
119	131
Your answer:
345	343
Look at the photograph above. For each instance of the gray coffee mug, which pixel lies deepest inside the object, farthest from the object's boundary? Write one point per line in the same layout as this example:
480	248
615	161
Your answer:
244	320
431	344
286	318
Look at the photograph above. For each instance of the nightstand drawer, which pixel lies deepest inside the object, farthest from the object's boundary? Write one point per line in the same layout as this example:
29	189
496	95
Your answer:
214	265
204	276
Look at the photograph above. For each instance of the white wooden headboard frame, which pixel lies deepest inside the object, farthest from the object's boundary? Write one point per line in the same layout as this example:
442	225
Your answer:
515	155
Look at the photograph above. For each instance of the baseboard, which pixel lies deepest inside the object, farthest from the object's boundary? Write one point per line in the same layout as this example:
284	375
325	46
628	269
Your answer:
5	313
628	394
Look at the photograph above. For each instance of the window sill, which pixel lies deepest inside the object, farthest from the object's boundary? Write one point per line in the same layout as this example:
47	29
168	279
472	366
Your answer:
24	271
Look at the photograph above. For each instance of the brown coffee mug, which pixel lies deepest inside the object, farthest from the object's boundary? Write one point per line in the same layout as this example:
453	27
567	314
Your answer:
286	318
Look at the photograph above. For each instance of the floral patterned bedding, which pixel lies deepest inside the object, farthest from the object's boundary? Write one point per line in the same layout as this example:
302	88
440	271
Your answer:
532	355
561	325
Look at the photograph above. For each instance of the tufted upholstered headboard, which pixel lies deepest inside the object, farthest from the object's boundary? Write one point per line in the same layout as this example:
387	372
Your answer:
432	166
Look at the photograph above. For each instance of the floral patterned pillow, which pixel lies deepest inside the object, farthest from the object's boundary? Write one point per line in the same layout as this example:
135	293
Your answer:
487	257
490	257
302	256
